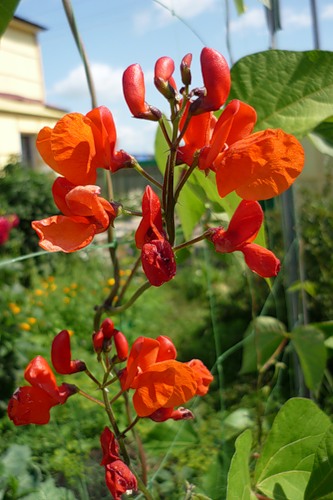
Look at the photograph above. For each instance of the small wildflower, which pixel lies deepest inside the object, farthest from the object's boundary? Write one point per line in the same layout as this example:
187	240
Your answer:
14	308
31	320
39	292
67	300
66	289
111	281
25	326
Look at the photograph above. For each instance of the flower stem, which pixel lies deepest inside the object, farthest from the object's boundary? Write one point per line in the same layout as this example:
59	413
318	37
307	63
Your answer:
91	398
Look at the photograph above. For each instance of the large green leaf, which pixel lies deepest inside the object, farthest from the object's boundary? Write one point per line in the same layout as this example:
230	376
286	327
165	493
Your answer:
263	336
7	9
190	209
239	481
309	343
320	485
289	90
286	462
322	136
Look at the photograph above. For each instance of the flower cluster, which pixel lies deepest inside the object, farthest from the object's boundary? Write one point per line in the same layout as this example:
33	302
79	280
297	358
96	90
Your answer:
256	165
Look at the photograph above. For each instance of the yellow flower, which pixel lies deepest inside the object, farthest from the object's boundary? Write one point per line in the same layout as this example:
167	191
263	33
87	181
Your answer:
39	292
71	332
32	320
74	285
66	289
51	279
14	308
67	300
25	326
53	287
111	281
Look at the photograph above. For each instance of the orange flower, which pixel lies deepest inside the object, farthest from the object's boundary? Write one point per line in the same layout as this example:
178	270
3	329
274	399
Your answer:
79	144
85	215
161	383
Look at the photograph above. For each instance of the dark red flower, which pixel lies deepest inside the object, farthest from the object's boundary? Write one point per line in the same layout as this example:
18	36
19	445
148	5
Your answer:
118	476
242	231
62	357
32	404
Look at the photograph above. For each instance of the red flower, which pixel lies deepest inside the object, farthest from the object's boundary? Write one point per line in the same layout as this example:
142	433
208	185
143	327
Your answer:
135	94
216	77
157	257
32	404
158	262
62	357
160	382
242	231
85	215
79	144
102	338
185	69
7	222
118	477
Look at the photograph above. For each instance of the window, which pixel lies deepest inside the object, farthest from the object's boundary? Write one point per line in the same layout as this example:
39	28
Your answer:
28	150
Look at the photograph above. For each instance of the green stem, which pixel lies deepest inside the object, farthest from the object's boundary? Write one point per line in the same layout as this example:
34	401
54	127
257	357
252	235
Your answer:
90	375
145	174
185	178
129	279
130	427
71	21
91	398
115	427
135	296
191	242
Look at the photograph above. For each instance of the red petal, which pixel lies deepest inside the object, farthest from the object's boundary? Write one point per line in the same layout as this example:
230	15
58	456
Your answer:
62	356
261	261
158	262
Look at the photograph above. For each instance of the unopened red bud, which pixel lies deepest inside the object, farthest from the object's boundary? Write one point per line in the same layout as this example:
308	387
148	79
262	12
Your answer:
121	345
107	328
98	339
216	77
62	357
163	79
135	93
185	70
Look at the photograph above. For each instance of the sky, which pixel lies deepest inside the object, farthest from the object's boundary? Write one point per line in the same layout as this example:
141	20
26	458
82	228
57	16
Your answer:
117	33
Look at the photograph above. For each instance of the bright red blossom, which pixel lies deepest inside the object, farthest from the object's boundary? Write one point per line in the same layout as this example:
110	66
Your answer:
79	144
242	231
135	94
32	404
85	215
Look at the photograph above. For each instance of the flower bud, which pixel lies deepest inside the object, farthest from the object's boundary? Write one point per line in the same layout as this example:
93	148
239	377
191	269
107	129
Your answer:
121	345
135	93
185	69
216	77
107	328
62	357
163	79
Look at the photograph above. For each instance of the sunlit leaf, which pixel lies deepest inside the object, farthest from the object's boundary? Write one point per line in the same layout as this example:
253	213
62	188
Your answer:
239	481
320	485
289	90
7	9
287	459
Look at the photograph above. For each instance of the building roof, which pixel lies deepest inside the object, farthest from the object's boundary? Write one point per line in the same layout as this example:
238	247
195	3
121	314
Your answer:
28	24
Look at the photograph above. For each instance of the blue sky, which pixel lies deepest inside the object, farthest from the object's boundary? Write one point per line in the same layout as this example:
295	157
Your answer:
117	33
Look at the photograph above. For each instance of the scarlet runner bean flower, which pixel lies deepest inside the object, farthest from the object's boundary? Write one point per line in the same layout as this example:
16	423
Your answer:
163	79
62	357
79	144
118	477
242	231
257	165
32	404
135	94
157	257
160	382
216	77
85	215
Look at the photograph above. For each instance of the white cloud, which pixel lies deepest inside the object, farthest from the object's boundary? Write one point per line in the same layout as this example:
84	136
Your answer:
164	12
107	81
327	12
137	138
252	20
295	19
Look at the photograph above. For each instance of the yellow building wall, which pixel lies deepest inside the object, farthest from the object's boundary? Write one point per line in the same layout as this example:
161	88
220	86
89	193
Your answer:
20	63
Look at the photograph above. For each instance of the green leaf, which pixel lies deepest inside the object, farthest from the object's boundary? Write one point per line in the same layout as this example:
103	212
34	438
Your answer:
322	137
240	7
239	481
285	464
320	485
289	90
310	347
263	336
7	9
190	209
236	422
329	342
